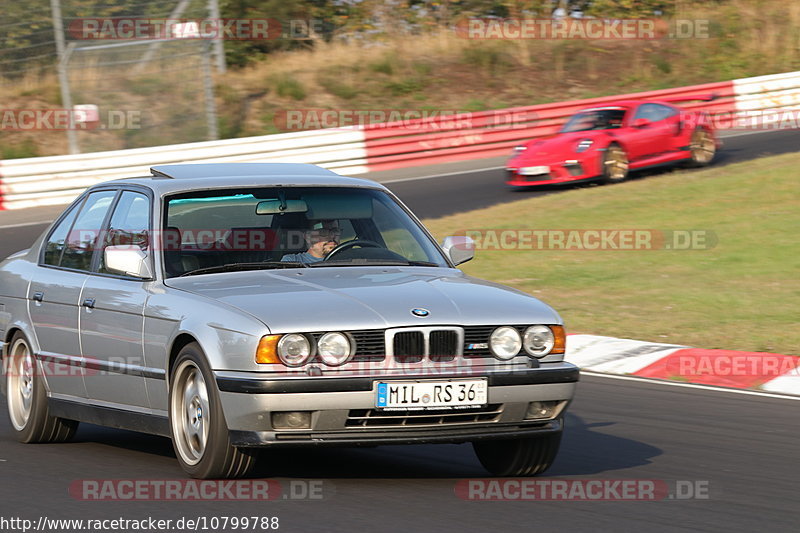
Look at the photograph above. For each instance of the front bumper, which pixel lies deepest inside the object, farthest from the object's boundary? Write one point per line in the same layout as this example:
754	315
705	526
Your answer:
336	402
574	168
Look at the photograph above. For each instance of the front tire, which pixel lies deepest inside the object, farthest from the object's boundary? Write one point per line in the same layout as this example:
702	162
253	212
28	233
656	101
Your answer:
197	423
615	164
518	457
26	397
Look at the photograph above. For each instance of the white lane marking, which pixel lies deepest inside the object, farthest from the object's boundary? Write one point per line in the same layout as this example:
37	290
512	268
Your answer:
443	175
693	386
23	224
743	133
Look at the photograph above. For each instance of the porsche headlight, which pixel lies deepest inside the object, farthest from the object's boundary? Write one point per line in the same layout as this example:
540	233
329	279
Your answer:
294	349
505	342
334	348
584	145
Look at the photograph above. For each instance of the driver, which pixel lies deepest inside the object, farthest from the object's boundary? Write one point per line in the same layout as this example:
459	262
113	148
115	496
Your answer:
322	237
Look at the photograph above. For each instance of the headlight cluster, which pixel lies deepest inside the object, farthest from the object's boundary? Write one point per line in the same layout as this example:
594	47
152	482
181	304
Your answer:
584	145
537	341
296	349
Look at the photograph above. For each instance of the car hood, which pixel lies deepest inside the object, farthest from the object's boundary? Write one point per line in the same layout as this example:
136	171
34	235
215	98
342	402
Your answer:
348	298
560	146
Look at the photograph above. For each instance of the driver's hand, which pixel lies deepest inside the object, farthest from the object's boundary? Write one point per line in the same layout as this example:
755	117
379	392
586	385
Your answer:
328	247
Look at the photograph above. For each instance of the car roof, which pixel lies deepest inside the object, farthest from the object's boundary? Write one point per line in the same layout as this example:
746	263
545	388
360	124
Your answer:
169	179
624	104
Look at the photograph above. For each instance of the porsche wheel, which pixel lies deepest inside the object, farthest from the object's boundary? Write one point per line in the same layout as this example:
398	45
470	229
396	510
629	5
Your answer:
702	148
518	457
197	423
26	397
615	164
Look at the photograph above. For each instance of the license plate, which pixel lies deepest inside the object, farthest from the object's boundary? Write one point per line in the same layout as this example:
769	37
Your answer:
534	171
431	394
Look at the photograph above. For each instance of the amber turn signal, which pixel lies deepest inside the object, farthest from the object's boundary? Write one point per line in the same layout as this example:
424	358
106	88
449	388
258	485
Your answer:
560	339
267	352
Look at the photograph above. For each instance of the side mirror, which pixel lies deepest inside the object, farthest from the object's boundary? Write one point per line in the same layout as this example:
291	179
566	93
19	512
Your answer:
641	122
459	249
127	260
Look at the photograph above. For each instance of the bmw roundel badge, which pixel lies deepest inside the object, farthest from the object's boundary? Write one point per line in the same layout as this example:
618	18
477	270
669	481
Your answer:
420	312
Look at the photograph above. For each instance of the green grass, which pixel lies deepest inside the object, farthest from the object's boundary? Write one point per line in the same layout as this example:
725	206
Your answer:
386	65
405	86
743	294
338	88
26	148
288	87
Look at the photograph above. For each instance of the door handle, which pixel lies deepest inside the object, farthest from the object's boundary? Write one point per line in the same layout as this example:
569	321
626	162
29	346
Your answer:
89	303
38	296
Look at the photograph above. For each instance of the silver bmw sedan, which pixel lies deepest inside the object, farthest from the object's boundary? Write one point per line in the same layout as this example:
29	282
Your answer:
233	307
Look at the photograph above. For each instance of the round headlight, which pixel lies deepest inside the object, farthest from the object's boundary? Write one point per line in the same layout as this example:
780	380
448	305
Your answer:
505	342
538	340
334	348
294	349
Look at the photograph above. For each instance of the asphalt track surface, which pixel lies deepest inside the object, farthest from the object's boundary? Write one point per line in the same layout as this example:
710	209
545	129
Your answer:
739	452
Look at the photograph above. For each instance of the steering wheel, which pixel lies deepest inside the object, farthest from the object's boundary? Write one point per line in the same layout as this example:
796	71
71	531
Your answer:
364	243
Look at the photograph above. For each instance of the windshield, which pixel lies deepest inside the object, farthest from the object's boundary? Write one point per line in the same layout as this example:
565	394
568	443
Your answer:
596	119
290	227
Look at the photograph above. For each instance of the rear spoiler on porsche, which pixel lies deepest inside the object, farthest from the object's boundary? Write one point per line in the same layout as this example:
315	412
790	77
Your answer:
701	98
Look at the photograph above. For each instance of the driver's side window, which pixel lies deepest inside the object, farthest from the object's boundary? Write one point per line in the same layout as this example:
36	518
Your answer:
647	111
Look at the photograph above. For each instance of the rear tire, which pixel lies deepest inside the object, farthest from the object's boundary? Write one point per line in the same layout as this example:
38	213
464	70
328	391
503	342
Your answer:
702	148
26	396
518	457
197	423
615	164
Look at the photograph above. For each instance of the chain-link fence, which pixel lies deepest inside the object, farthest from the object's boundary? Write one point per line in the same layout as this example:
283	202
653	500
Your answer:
136	88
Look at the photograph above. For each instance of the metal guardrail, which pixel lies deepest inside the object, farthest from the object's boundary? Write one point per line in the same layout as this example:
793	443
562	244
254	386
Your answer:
59	179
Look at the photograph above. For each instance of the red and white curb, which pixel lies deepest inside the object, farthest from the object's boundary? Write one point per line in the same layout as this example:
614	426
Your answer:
722	368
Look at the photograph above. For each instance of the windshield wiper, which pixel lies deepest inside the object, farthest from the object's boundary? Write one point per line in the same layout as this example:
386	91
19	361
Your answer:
372	262
233	267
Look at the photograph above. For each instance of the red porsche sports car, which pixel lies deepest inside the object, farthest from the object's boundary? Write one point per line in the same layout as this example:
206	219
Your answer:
606	142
